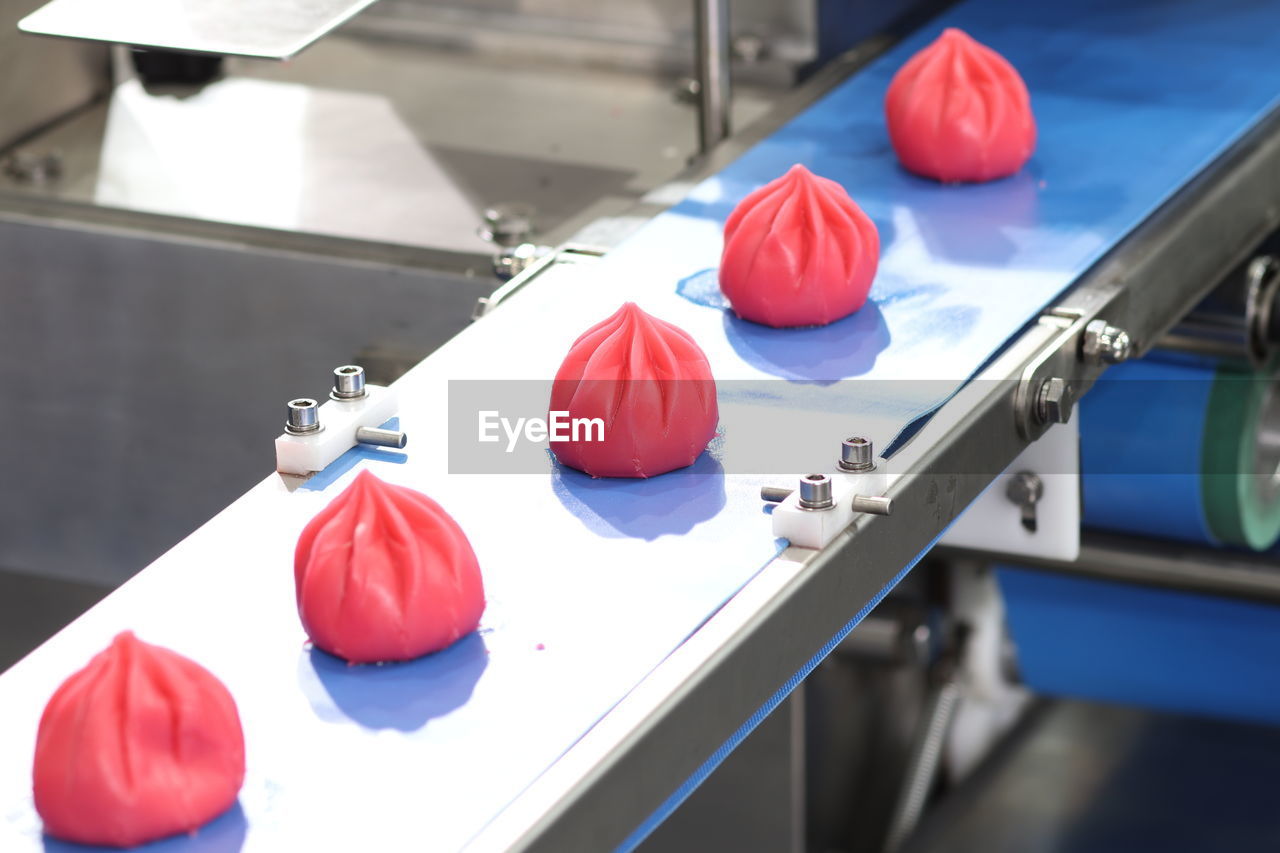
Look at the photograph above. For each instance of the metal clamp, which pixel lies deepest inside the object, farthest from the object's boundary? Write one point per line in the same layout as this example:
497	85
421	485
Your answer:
1065	368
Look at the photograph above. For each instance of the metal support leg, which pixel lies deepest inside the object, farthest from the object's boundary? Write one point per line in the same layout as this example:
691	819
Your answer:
711	35
799	796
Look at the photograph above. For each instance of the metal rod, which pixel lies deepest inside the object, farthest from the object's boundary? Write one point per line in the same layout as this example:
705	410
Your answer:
874	504
1129	559
382	437
712	50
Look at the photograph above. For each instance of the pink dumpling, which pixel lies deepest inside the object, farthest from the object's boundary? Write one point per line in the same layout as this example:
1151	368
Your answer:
798	252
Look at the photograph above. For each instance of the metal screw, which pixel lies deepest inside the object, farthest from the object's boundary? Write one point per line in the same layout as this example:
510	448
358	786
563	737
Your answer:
856	454
815	492
304	417
28	167
508	224
1103	342
509	263
873	504
1026	489
348	383
1055	401
750	48
382	437
687	90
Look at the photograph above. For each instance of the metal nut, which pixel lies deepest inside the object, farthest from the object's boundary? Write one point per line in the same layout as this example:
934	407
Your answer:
1055	401
1104	343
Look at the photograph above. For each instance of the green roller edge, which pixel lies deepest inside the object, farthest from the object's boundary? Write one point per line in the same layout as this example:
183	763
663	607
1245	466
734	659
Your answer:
1237	515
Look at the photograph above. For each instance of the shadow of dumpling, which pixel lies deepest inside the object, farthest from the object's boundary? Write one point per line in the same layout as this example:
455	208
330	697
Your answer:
402	696
672	503
822	355
224	834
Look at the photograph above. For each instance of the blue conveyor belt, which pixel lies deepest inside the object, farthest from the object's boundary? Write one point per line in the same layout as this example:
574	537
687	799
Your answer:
1133	100
1155	648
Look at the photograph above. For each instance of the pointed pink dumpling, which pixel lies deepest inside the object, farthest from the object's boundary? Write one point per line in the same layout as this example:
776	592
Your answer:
140	744
383	573
798	252
649	387
958	111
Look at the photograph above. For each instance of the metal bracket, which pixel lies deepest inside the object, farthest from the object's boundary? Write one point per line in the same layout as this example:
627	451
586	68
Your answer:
1065	368
567	254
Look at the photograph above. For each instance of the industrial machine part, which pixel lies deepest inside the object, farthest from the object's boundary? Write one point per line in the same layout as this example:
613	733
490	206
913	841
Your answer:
711	29
1025	489
70	75
857	454
261	30
1185	452
1154	648
316	435
1238	321
177	316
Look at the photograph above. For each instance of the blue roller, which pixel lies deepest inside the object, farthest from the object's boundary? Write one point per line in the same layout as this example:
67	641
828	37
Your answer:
1141	430
1133	645
1180	451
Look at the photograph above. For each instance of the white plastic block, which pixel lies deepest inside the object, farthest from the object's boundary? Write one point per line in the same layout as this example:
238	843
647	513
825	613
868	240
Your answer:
993	523
814	528
304	454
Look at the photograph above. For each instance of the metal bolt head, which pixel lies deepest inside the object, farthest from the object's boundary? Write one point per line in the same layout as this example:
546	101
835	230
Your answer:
856	454
749	48
303	416
1055	401
509	263
28	167
1025	488
348	383
1105	343
687	90
508	224
815	492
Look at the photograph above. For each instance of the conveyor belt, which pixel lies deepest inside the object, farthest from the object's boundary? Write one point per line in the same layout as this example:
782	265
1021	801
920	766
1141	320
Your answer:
608	585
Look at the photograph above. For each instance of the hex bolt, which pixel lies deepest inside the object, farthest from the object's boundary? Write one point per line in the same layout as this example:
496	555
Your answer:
1055	401
873	504
382	437
1104	343
304	417
815	492
856	454
348	383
